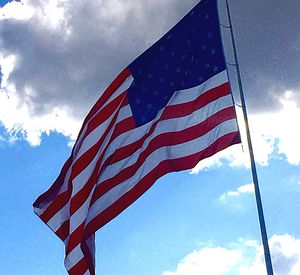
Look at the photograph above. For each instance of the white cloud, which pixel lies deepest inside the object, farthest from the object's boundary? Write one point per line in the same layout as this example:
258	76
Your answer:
279	127
57	56
52	13
237	199
212	261
19	123
244	189
7	65
244	257
16	10
247	188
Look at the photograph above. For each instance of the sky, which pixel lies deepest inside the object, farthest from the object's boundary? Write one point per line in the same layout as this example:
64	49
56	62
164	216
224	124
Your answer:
56	57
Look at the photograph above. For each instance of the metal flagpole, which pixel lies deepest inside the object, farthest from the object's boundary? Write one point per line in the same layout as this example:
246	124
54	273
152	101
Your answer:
253	166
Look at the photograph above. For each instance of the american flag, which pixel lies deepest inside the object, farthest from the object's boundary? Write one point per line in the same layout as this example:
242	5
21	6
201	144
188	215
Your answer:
169	109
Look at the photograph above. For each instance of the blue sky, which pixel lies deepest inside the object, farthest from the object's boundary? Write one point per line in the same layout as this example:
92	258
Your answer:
199	222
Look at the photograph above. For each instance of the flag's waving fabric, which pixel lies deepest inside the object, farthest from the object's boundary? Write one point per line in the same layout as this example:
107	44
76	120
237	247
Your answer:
166	111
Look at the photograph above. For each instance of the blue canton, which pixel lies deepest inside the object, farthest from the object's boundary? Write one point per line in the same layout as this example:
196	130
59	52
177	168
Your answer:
189	54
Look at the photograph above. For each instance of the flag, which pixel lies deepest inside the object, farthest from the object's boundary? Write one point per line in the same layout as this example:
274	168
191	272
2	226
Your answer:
169	109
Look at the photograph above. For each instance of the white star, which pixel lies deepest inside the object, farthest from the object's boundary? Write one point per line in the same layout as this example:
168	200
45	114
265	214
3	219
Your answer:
215	69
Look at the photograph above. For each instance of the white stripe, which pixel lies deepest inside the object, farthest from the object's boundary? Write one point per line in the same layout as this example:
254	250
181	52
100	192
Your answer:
80	215
77	254
162	153
63	188
73	257
92	138
80	180
164	126
191	94
59	218
125	85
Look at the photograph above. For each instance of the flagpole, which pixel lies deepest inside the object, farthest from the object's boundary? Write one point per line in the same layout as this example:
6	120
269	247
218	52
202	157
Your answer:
263	230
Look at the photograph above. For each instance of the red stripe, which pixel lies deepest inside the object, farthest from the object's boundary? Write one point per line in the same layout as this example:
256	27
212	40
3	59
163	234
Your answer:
80	268
115	85
86	263
98	107
83	194
102	116
105	113
79	198
122	127
56	205
63	231
164	139
51	193
75	238
89	155
161	169
186	108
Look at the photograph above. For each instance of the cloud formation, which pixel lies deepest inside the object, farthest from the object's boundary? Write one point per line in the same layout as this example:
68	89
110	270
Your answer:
244	189
244	257
213	261
57	56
